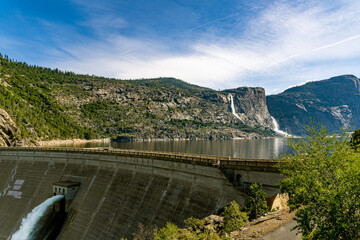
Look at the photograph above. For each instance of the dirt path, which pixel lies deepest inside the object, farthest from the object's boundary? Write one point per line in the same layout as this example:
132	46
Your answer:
274	226
283	232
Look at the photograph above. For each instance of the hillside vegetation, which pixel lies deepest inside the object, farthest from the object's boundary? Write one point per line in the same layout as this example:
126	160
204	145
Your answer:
51	104
322	178
25	93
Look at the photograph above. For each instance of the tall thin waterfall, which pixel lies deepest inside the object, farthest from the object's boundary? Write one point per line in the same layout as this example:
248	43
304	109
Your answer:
277	128
29	224
233	108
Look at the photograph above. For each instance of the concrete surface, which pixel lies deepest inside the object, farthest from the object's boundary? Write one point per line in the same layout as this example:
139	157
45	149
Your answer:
283	233
116	194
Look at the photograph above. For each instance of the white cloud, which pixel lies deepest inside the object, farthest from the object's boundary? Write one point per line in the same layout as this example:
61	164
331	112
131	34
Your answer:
285	44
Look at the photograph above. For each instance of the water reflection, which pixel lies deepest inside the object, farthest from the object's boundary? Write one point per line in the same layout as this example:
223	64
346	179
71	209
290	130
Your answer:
81	145
240	148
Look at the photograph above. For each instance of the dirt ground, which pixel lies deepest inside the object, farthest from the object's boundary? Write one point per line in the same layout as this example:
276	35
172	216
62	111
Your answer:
266	225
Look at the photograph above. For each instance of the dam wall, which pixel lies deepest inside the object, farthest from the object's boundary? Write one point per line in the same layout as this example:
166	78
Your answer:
116	193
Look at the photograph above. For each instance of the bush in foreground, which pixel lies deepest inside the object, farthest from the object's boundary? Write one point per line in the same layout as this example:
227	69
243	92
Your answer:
198	229
171	232
234	219
323	182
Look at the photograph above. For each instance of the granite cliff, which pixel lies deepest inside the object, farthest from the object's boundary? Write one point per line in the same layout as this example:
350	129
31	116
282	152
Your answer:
168	108
334	102
250	106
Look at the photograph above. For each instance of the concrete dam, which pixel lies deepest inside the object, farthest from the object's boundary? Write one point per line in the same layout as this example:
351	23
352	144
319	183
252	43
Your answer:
118	189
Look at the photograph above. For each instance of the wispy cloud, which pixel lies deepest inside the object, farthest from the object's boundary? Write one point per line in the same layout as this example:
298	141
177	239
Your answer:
213	21
282	45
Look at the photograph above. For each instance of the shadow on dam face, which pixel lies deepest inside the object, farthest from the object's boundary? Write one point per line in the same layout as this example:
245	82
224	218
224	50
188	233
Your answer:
38	221
116	194
51	225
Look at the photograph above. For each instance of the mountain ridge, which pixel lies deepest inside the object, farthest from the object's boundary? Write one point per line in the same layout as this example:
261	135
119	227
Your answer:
50	104
334	102
47	104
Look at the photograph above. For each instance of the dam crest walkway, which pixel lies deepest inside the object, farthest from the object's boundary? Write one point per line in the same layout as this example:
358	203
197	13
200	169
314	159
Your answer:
198	159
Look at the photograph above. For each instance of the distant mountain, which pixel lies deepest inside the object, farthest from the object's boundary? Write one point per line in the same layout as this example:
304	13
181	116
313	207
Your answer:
45	104
334	102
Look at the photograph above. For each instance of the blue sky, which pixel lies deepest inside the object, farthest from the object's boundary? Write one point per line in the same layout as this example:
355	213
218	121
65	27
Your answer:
214	43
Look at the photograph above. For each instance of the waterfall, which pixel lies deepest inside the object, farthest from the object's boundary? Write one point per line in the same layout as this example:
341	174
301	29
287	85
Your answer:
233	108
277	128
29	224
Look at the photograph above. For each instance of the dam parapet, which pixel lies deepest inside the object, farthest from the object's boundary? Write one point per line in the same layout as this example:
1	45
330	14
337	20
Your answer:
199	159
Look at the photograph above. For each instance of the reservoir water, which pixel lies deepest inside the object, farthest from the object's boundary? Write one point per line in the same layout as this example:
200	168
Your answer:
240	148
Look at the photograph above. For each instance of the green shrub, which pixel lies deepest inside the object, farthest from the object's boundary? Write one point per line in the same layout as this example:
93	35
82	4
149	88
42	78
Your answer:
195	230
323	183
194	224
234	219
256	205
355	139
169	232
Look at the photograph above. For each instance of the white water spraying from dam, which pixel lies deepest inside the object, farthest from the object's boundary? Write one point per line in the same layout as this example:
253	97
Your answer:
277	128
233	108
29	224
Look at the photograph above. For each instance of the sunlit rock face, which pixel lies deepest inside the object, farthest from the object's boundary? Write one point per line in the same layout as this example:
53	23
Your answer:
8	130
249	106
334	102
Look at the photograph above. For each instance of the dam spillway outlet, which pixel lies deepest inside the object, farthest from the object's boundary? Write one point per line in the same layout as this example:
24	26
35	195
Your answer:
30	227
68	189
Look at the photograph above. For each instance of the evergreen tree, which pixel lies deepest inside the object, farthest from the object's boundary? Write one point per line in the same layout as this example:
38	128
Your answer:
256	205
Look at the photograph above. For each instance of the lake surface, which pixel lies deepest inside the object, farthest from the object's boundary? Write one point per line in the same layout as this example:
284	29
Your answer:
240	148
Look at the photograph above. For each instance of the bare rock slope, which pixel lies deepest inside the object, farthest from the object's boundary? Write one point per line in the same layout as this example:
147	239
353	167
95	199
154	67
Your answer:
334	102
9	132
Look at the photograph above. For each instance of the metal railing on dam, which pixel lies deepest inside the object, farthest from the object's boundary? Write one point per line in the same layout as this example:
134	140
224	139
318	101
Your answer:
200	159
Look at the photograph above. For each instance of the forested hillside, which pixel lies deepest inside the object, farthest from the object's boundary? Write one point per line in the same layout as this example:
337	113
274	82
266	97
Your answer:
51	104
25	93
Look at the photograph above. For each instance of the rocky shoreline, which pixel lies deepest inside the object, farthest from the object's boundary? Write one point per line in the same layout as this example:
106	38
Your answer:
71	142
191	138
